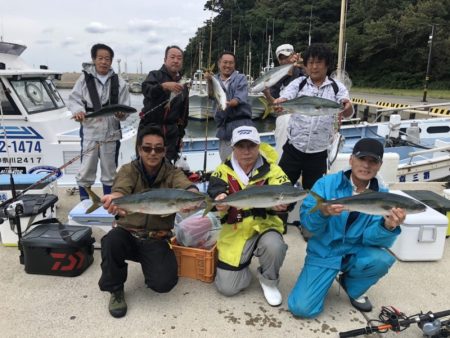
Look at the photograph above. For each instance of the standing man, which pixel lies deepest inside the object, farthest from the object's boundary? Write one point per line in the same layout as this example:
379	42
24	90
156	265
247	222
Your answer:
351	243
305	152
238	112
285	55
98	86
248	232
140	237
166	101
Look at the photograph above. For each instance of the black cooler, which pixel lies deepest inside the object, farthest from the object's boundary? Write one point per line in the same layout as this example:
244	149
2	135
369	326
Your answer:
56	249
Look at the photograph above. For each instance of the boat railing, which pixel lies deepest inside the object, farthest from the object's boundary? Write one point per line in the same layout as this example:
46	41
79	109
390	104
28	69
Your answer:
427	151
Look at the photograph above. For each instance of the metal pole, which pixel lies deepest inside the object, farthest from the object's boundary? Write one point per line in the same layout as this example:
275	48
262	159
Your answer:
427	76
341	40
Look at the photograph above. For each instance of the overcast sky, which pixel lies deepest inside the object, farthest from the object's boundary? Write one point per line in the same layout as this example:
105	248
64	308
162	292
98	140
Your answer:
60	33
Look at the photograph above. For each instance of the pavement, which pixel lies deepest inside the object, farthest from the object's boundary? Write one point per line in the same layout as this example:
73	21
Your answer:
49	306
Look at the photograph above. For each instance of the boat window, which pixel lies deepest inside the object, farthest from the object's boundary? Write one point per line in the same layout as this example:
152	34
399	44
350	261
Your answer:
438	129
7	103
36	95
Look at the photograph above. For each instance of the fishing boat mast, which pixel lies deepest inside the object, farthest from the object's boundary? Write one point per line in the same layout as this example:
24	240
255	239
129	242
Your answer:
342	24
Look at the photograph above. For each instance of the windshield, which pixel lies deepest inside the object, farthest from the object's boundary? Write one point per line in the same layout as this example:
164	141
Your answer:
37	95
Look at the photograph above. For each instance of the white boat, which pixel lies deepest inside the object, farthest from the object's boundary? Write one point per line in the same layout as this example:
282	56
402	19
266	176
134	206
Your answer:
426	159
37	133
423	145
135	87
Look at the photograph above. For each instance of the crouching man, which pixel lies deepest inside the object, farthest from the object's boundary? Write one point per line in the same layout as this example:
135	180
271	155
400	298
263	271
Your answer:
350	245
140	237
248	232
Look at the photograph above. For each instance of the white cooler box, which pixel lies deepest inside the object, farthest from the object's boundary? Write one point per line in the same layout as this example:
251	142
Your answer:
422	237
99	220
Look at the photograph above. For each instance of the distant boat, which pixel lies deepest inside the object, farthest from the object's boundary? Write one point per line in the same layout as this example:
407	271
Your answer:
135	87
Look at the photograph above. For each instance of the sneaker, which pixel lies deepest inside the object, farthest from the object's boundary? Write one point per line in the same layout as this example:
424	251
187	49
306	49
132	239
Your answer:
272	294
117	305
362	303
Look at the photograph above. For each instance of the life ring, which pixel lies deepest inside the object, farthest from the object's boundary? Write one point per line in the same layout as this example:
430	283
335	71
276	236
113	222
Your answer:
34	93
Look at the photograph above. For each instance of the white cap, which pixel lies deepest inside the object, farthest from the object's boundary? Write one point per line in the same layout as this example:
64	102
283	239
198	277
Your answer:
245	133
285	49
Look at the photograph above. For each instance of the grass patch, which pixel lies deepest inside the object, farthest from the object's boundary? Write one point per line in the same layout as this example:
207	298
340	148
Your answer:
432	93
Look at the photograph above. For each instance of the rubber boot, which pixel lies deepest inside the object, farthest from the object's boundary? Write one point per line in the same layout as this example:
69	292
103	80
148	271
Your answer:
83	193
106	189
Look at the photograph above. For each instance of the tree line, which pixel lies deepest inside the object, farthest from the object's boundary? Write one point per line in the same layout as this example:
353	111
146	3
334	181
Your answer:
387	42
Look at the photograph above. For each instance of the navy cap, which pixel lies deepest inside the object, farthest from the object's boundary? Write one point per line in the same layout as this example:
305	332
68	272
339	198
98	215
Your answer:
369	147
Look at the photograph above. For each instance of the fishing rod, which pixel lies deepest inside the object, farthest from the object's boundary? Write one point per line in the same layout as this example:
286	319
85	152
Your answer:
391	319
46	177
205	154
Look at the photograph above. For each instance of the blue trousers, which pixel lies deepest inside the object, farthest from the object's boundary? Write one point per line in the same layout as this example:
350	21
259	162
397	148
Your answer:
361	271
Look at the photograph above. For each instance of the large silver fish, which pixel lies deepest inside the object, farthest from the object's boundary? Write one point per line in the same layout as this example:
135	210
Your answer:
111	110
270	78
265	196
163	201
304	105
373	203
216	91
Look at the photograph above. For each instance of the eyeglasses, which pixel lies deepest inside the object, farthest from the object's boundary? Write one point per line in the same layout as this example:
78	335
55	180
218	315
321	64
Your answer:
157	149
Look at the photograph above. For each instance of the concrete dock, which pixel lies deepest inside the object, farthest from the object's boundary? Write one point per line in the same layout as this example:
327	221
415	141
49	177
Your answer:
48	306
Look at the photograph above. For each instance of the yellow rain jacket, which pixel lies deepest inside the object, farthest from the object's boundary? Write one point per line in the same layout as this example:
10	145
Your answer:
233	237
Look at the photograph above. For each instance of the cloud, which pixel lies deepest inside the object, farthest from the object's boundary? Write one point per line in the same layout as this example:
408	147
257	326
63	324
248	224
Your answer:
44	41
97	27
68	41
142	25
153	38
48	30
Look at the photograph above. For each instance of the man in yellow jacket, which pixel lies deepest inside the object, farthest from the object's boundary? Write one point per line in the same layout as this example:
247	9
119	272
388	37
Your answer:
249	232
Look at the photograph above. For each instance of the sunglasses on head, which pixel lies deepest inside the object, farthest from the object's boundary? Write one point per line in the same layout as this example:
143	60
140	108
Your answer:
157	149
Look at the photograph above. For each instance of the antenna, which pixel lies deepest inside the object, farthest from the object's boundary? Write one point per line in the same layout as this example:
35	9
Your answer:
310	23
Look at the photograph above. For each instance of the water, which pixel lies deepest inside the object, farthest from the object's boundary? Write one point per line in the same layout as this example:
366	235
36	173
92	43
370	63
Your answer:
195	128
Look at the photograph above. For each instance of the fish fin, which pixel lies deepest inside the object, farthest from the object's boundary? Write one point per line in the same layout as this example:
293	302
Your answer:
319	200
96	202
209	206
267	107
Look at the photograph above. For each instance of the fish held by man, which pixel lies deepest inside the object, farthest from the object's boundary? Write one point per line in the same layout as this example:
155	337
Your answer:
216	92
163	201
304	105
373	203
111	110
265	196
271	78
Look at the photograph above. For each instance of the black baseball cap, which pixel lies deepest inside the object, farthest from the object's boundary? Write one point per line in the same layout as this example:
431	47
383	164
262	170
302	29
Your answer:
369	147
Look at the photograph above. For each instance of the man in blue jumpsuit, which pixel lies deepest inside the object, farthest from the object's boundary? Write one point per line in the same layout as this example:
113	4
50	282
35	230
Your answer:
351	243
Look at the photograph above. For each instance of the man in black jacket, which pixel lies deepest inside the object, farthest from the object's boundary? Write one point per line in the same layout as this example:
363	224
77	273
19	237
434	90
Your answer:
166	101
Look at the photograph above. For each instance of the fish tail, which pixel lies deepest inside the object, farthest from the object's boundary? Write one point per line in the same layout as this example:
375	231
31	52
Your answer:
319	199
96	202
267	107
209	206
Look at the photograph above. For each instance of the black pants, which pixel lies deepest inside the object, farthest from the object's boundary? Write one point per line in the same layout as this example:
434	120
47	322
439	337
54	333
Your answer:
157	259
295	163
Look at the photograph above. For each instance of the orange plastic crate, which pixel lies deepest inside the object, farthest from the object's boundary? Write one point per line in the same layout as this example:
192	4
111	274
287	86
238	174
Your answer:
195	263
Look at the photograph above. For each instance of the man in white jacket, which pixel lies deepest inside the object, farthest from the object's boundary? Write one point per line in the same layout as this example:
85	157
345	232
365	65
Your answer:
98	86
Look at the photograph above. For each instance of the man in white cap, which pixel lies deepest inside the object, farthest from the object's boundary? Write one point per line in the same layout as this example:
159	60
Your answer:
248	232
285	54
